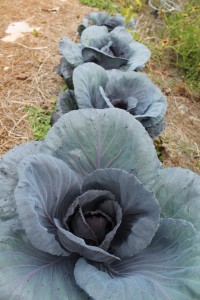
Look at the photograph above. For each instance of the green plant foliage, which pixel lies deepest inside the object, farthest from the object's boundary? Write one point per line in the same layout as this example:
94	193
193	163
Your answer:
35	32
39	119
102	4
129	13
182	36
131	7
63	88
160	148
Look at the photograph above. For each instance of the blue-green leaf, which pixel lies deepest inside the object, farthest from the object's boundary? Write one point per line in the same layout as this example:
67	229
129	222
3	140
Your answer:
71	52
169	269
156	129
140	54
29	274
178	192
65	103
9	177
95	36
65	70
45	190
89	139
87	79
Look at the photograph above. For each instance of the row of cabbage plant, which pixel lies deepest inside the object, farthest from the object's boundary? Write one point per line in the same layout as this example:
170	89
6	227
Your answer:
91	213
104	71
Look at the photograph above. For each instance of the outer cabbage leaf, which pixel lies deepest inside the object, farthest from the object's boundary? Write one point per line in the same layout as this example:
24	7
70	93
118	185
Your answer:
27	273
87	79
156	129
9	177
95	36
46	187
71	52
89	139
178	193
104	19
65	70
120	34
140	54
72	57
167	269
65	103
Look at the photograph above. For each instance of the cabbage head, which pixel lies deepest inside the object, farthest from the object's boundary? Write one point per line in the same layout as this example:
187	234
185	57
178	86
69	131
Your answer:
111	50
95	87
90	213
104	19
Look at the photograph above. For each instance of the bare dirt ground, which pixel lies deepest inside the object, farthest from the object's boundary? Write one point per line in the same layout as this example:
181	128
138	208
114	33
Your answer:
181	138
27	78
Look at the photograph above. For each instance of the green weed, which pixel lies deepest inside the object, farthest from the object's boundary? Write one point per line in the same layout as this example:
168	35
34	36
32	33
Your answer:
198	164
160	148
182	41
39	119
130	6
108	5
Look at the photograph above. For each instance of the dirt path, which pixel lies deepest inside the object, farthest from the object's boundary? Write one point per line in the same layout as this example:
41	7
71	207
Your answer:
27	78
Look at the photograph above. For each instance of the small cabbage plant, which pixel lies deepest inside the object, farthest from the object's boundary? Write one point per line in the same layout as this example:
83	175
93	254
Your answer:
89	213
111	50
104	19
95	87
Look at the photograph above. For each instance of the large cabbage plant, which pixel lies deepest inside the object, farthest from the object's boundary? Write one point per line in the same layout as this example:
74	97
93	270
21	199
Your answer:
104	19
94	87
89	213
111	50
